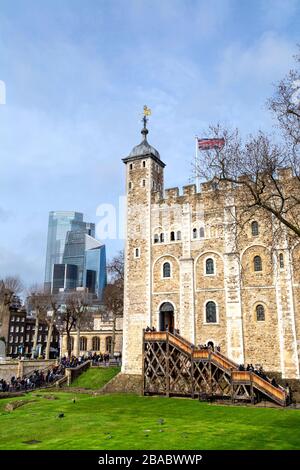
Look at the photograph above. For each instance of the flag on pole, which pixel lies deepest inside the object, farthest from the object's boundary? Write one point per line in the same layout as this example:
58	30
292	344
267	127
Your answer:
207	144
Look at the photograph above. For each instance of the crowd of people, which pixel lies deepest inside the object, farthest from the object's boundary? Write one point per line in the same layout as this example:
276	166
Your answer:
37	379
100	359
41	378
73	361
260	372
210	346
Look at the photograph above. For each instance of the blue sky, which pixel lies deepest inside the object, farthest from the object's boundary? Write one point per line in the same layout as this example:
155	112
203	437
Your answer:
77	75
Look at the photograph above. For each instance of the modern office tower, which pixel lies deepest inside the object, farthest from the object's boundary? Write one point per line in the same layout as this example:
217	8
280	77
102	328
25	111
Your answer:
95	270
64	277
77	243
60	223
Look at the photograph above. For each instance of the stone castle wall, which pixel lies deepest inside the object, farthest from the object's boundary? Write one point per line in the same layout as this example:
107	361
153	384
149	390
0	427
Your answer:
162	225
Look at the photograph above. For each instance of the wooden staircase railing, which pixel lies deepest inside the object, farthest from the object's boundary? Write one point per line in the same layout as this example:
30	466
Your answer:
237	377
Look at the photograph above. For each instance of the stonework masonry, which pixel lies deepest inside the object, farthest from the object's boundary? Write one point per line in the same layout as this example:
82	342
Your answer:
183	257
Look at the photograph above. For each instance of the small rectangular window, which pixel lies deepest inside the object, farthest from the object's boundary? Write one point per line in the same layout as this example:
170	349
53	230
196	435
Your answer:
281	260
137	253
144	164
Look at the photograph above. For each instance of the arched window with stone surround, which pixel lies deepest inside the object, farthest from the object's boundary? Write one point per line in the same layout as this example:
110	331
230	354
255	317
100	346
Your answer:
201	232
257	263
178	235
162	238
96	343
209	266
83	343
156	238
195	233
211	312
260	313
172	236
166	269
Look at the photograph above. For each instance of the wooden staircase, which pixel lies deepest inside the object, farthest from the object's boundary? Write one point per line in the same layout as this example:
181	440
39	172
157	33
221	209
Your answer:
173	366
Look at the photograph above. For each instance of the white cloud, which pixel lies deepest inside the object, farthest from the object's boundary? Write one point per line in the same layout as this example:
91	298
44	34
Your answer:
266	60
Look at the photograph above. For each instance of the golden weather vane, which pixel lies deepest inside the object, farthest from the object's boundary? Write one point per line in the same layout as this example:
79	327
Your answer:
146	112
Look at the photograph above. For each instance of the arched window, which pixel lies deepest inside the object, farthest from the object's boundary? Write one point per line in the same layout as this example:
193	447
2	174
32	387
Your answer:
130	166
260	313
156	238
96	343
172	237
209	266
108	344
254	228
211	312
194	233
257	263
162	237
281	261
144	164
166	270
201	232
83	343
178	235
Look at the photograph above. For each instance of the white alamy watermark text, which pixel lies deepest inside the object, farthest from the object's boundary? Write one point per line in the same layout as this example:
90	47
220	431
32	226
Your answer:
2	92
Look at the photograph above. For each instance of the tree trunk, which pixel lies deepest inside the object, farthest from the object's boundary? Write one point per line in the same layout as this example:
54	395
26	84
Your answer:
69	344
49	336
77	352
113	339
4	322
35	338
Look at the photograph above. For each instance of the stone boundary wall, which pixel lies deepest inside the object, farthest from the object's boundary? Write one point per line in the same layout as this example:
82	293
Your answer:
8	369
72	374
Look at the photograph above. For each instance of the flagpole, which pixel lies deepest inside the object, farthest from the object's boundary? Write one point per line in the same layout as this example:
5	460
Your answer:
196	157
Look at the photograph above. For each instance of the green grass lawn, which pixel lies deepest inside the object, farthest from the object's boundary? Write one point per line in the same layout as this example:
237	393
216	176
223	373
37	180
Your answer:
134	422
95	378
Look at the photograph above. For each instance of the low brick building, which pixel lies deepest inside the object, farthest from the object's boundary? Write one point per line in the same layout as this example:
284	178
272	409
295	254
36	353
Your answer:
21	334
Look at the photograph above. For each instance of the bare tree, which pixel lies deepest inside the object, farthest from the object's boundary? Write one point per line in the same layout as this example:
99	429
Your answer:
79	303
74	313
53	302
264	174
114	292
10	288
285	105
38	302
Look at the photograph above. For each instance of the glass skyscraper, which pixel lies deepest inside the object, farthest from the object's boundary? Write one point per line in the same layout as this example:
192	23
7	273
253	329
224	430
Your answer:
61	223
95	270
